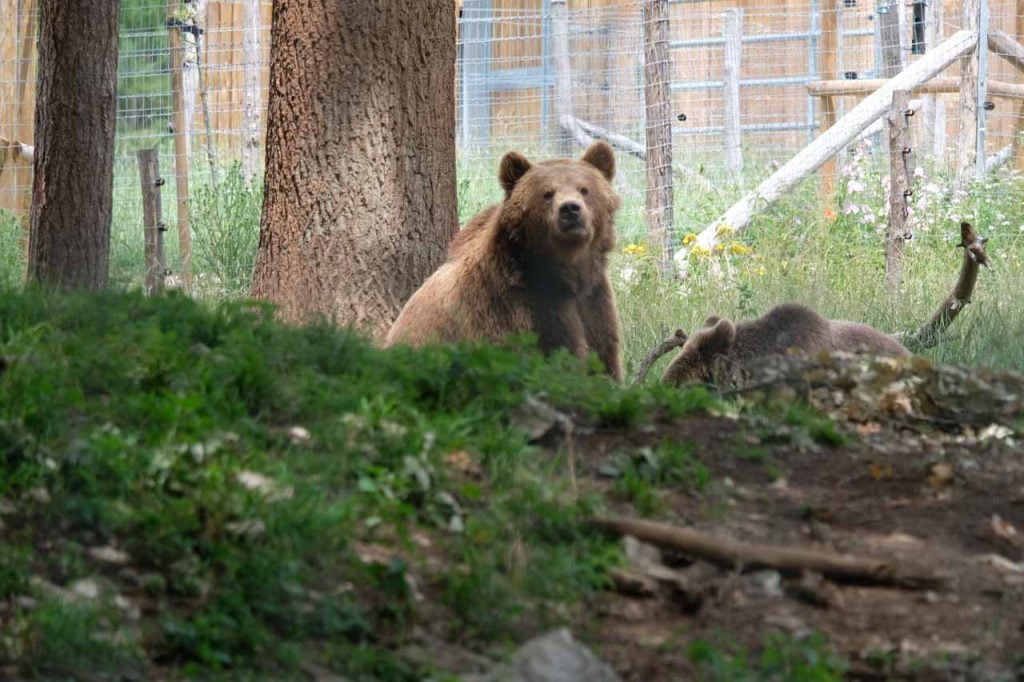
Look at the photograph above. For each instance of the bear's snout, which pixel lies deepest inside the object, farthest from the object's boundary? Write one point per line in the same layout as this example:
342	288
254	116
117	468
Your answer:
570	216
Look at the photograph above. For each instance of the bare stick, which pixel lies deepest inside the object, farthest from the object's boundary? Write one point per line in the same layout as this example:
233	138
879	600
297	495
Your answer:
974	257
674	341
787	560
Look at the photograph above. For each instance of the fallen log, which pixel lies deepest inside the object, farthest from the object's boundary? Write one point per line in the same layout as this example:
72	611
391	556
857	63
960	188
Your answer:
786	560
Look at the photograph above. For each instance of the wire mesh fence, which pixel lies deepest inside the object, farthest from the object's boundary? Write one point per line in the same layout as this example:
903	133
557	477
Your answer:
749	84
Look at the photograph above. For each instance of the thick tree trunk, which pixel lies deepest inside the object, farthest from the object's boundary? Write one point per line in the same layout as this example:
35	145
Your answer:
69	233
360	172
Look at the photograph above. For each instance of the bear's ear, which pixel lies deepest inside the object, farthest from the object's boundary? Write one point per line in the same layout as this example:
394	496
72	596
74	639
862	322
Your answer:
513	167
600	156
711	321
718	339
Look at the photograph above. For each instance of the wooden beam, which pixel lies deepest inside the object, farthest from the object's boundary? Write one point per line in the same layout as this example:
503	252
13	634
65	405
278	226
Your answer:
1003	45
841	88
889	36
811	157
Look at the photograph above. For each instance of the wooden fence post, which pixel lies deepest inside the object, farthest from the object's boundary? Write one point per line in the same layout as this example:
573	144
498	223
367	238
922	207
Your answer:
889	36
732	21
149	177
251	100
981	94
899	187
563	74
181	143
658	108
1018	129
967	132
828	70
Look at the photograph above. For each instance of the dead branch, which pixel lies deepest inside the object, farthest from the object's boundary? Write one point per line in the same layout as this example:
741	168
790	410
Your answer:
787	560
974	257
674	341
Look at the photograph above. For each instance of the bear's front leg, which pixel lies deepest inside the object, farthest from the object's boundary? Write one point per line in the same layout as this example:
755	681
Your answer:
600	316
558	325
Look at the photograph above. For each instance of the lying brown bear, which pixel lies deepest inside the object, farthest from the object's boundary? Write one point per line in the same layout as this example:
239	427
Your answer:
537	262
720	343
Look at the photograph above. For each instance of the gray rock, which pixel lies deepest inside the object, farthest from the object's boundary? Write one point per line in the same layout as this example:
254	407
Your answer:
553	657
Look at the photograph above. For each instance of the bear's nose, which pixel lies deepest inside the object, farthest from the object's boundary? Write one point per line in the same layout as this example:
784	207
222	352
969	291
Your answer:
569	209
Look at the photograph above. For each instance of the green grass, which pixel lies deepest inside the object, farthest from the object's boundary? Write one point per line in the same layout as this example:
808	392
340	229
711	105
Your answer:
796	251
781	657
166	428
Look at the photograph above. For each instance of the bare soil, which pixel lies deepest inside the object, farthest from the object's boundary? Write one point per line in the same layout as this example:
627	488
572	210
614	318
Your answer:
945	503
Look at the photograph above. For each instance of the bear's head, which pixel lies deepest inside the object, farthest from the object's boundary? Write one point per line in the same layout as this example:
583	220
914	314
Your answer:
560	209
703	353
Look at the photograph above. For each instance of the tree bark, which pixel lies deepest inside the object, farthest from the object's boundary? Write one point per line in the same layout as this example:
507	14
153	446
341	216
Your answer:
69	229
360	172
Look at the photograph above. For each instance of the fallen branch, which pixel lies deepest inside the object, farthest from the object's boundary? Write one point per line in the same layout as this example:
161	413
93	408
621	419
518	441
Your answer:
675	341
974	257
786	560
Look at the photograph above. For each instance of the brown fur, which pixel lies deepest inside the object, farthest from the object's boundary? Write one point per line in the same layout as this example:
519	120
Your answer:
783	328
524	265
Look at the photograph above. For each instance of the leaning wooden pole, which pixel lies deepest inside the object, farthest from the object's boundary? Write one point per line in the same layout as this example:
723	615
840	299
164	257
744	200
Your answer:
658	108
181	143
811	157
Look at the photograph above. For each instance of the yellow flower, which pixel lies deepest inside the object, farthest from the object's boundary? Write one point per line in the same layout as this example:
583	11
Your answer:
740	249
700	251
689	239
635	249
724	230
761	271
719	248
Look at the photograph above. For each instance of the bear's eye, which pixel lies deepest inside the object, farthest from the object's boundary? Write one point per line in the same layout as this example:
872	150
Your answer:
584	191
549	195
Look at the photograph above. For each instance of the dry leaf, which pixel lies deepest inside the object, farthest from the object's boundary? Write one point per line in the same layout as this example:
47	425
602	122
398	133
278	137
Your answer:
868	429
941	475
462	461
882	472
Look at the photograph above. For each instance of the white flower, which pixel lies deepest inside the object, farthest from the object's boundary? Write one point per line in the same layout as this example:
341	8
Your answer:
855	186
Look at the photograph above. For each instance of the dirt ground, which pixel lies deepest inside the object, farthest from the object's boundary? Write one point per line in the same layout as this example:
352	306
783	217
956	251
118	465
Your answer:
947	504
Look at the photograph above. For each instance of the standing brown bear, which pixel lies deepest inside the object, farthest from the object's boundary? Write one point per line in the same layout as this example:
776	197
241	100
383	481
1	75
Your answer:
720	344
537	262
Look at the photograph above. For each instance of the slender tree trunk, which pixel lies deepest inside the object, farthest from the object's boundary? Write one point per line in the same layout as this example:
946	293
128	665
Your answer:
360	172
69	233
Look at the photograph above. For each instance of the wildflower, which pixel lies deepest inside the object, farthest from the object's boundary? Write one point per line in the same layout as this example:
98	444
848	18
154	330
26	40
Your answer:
719	248
635	249
689	238
724	230
830	214
761	271
700	251
740	249
855	186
